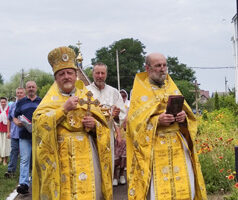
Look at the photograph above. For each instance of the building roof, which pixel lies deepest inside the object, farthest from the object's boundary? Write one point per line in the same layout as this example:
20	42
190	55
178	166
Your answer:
205	94
82	76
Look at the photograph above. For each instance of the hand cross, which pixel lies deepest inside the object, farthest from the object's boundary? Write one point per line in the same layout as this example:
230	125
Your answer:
89	94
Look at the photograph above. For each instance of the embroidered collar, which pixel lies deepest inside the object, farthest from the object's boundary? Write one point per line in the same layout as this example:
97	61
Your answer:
72	93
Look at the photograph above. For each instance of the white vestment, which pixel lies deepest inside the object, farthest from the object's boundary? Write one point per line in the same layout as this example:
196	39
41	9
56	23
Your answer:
109	97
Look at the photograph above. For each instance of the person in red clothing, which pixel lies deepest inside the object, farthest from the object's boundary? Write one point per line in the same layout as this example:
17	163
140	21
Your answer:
4	141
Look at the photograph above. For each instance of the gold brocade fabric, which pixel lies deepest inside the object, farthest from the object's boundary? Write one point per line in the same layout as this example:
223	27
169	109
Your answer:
152	148
63	165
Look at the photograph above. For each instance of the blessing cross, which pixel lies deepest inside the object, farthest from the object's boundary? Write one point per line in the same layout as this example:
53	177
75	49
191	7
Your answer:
89	94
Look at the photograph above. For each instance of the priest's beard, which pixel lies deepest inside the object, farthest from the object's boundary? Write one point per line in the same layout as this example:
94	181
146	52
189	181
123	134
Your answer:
158	79
68	86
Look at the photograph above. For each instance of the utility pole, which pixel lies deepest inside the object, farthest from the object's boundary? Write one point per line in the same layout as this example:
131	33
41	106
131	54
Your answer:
196	95
118	70
196	90
22	78
235	44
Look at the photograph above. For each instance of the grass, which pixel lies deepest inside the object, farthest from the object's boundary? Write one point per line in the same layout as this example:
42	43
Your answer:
7	185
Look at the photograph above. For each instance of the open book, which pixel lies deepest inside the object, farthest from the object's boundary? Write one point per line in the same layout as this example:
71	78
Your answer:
175	104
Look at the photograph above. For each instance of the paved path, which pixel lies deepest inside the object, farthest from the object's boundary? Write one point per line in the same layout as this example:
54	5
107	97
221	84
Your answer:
120	193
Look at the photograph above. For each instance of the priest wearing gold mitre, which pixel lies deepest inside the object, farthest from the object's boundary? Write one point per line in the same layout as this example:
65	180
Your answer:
71	149
162	162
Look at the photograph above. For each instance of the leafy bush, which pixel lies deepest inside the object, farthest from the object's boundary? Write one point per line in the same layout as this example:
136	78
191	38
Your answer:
215	143
225	101
229	102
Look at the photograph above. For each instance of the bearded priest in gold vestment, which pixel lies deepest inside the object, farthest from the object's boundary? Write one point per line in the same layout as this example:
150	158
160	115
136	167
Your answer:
162	163
71	148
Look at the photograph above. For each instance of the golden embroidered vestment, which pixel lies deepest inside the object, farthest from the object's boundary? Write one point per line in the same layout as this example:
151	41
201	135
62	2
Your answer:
63	162
154	150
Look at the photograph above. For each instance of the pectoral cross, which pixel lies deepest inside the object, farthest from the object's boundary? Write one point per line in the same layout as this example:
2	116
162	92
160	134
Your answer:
89	94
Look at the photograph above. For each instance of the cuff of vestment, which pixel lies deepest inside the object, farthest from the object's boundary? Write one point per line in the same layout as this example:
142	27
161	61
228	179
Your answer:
60	114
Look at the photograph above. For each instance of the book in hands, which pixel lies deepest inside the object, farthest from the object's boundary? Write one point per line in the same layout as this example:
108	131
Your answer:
175	104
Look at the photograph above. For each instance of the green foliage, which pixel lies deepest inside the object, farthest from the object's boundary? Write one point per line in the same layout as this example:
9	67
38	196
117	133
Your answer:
1	79
219	122
89	72
7	185
179	71
225	101
216	103
130	61
75	48
216	169
215	143
185	88
233	195
209	105
229	102
44	90
232	91
41	78
183	77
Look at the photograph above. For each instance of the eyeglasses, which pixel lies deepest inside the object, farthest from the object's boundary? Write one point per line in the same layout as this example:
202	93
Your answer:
159	65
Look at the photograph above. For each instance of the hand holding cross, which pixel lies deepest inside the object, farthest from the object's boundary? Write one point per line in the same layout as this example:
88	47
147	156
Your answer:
88	121
89	94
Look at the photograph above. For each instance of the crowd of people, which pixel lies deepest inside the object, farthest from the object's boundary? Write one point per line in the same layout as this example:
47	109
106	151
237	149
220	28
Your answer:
16	137
74	148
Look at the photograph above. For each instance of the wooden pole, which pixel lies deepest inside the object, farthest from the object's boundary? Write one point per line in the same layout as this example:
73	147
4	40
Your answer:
118	72
236	161
196	96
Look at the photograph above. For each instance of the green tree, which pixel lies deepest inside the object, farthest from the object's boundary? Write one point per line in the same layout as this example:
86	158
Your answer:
89	72
1	79
185	88
179	71
183	77
130	61
209	105
217	105
44	90
40	77
228	101
75	48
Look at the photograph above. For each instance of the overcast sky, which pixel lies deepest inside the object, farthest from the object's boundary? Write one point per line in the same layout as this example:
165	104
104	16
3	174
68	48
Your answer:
198	32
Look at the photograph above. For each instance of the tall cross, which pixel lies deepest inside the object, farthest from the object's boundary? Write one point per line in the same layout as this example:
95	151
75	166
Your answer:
79	43
89	94
79	57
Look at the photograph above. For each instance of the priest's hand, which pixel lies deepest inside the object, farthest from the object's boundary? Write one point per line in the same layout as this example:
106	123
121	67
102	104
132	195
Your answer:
89	122
115	111
71	104
166	119
180	117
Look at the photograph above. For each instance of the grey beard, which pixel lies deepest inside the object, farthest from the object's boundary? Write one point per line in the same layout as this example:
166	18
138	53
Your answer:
158	83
